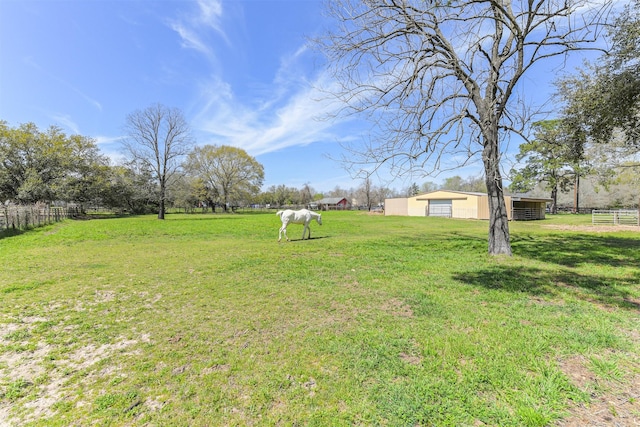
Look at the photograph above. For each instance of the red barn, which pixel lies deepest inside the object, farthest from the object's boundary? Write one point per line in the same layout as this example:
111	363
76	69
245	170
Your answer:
333	203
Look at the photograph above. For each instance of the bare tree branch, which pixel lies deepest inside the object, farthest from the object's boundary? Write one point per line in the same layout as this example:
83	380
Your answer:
438	79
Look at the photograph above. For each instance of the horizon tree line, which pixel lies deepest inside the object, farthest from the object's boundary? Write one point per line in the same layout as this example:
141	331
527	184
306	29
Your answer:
50	166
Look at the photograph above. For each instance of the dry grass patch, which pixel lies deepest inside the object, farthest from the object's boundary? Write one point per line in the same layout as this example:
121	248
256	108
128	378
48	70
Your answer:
397	307
617	405
614	401
593	228
41	370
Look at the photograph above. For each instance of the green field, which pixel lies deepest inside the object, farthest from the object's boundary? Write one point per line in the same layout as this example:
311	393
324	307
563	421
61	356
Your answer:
206	320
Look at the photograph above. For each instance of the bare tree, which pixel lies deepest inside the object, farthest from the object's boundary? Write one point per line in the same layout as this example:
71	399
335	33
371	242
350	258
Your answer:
158	137
365	193
440	78
306	194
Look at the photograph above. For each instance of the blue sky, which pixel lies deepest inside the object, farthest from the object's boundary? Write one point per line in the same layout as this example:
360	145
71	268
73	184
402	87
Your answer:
240	71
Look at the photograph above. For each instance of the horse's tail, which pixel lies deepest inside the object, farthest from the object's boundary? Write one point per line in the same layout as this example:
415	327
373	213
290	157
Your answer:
279	213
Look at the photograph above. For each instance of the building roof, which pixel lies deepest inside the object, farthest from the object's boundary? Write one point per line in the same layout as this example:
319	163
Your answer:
516	197
331	200
526	198
467	193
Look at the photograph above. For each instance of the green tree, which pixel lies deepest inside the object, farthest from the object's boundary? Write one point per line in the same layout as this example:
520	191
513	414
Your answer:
605	96
132	188
229	172
48	165
30	164
440	79
413	190
454	183
428	187
550	158
88	174
602	103
185	193
457	183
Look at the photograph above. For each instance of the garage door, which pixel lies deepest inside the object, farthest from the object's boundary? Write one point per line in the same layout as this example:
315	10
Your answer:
440	208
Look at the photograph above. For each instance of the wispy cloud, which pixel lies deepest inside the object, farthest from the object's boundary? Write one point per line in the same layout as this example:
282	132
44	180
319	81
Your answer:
211	13
103	140
291	110
194	27
294	112
191	39
111	147
65	121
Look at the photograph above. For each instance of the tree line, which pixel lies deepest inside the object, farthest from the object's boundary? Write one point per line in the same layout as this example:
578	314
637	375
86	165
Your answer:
163	168
160	169
50	166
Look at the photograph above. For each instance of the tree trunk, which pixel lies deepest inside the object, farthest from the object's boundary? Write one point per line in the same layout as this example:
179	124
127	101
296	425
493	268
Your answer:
554	198
161	210
499	241
162	196
576	194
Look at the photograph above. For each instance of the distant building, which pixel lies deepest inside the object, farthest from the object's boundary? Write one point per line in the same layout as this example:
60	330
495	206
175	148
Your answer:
333	203
461	204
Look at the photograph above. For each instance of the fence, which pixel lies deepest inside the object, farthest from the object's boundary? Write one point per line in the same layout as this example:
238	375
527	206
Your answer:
25	217
527	214
616	217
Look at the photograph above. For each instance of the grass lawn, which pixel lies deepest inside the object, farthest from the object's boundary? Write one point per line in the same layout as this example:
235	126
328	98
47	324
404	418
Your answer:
206	320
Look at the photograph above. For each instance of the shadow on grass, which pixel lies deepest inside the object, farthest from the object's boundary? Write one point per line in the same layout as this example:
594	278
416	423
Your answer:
92	216
579	260
577	249
539	282
204	217
302	240
11	232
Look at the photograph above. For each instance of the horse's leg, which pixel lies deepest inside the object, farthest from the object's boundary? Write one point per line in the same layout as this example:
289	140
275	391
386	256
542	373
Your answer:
283	229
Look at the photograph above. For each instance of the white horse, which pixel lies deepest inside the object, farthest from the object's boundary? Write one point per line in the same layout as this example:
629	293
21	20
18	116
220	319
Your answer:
303	216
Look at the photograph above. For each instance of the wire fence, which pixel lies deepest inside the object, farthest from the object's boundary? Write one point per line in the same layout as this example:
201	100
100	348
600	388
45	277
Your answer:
26	217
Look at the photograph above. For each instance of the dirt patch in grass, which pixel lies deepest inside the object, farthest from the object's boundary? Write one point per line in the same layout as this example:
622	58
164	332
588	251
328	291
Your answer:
397	308
411	359
594	228
617	405
615	408
576	369
41	376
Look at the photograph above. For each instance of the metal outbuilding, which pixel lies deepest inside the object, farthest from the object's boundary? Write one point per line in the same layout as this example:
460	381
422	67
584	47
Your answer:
462	204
